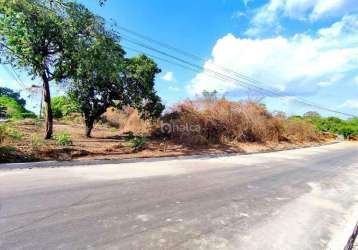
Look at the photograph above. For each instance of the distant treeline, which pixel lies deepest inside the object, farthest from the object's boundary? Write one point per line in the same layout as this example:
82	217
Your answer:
331	124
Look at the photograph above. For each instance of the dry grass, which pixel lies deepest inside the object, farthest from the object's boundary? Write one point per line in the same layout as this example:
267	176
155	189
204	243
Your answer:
225	127
115	118
223	121
126	120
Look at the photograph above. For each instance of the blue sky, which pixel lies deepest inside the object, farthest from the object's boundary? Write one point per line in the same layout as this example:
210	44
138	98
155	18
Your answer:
304	48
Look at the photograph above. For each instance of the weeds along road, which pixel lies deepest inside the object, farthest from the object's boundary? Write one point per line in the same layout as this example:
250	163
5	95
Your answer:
298	199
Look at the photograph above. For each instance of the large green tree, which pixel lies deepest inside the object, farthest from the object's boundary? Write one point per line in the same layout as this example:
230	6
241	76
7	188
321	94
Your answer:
137	79
104	78
31	34
36	35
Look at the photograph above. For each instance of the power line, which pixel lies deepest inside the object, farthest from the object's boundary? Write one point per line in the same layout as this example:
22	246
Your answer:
252	82
244	80
14	76
192	56
226	77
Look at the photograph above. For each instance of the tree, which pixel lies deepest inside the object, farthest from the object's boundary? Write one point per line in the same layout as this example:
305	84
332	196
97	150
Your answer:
14	109
138	91
35	35
311	114
15	95
133	87
104	78
210	95
32	38
63	106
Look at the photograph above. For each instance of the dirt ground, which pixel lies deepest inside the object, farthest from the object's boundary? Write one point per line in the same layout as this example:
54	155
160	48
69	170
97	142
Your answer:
110	143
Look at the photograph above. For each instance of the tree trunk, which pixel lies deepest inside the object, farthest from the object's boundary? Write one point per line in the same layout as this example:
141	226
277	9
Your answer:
47	106
89	126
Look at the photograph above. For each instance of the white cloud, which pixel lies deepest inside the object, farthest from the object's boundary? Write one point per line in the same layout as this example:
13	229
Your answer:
353	104
299	64
324	8
169	76
268	16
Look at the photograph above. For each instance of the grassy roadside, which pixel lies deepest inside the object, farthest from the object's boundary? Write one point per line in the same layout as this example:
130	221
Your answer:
25	144
193	127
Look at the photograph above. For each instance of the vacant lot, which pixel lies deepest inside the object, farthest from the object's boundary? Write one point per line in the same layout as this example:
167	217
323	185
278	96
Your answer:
110	143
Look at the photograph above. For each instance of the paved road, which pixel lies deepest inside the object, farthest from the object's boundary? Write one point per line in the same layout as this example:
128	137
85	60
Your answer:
299	199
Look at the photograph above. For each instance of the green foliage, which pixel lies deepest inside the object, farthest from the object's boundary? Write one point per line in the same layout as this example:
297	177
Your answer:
331	124
34	36
138	143
62	40
15	95
63	106
63	139
104	78
138	85
14	110
39	36
129	136
347	129
31	41
6	150
8	133
11	105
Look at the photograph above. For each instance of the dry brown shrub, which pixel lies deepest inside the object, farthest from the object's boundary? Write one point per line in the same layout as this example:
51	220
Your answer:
115	118
135	124
301	131
127	120
223	121
353	137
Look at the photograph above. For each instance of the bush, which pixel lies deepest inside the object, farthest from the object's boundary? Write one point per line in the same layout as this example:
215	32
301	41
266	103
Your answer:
63	106
24	115
115	118
205	121
14	110
14	95
331	124
300	131
127	119
347	130
9	134
63	139
129	135
138	143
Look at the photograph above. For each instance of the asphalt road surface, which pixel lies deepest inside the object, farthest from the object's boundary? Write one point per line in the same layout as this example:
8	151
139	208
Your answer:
298	199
